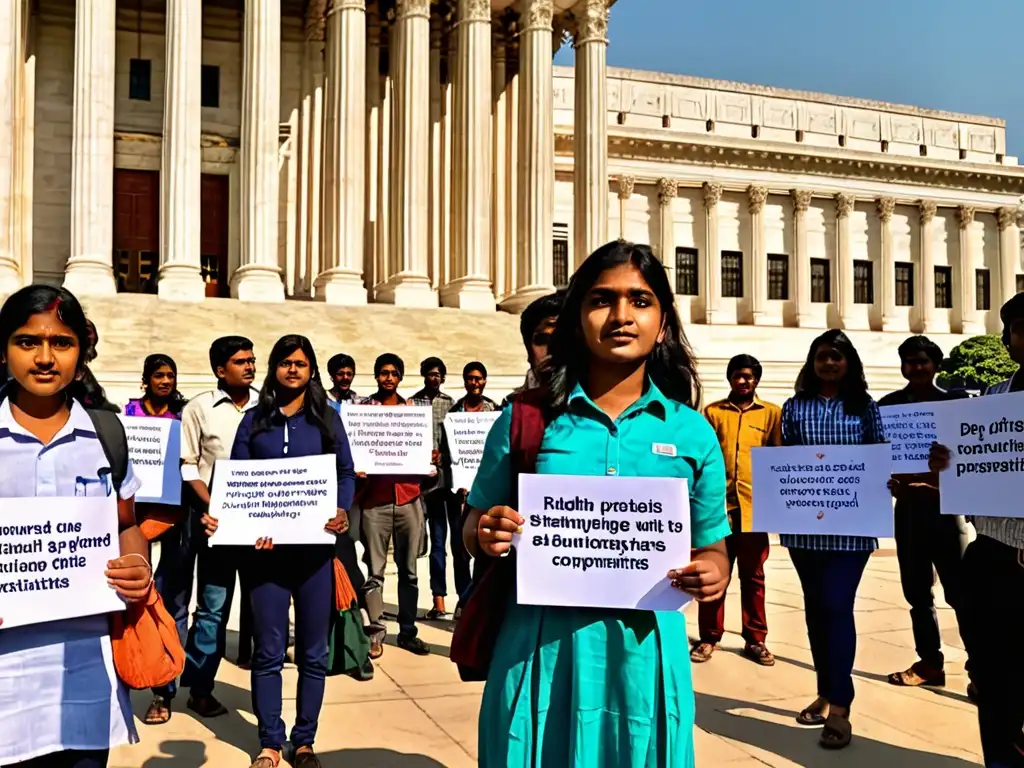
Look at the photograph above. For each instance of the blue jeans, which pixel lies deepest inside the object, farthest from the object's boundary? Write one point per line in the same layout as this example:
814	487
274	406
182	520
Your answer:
305	573
830	581
444	513
182	548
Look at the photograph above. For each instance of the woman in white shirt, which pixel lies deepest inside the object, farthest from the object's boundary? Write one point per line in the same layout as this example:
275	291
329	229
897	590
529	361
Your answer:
61	704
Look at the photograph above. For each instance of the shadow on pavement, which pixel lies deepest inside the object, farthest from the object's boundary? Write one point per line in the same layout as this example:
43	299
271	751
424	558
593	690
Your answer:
800	745
178	753
376	758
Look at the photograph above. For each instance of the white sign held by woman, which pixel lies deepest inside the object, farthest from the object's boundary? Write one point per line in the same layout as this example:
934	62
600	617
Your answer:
602	542
910	430
53	555
287	500
390	440
467	433
150	442
829	489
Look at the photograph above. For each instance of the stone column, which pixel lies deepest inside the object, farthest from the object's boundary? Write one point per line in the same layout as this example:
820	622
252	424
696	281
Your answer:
409	281
926	298
89	268
10	269
844	260
382	251
341	281
470	282
259	276
885	207
626	184
1009	252
373	102
180	268
499	142
971	317
756	198
711	263
590	129
667	191
536	154
801	257
438	220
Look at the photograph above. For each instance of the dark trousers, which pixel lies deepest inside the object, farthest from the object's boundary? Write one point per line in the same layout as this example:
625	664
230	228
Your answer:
305	573
444	513
184	551
72	758
993	632
749	551
830	581
380	525
926	543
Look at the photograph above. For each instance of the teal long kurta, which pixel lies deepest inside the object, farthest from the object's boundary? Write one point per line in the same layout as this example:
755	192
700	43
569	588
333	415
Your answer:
595	688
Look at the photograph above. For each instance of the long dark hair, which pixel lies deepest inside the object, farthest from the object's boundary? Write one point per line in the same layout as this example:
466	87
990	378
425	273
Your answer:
317	410
39	299
176	402
853	389
671	364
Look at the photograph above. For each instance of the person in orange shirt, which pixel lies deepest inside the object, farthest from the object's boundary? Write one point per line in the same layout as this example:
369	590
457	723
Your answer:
742	421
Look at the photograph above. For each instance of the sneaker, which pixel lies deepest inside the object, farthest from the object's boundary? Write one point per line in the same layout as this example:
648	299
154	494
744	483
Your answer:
413	644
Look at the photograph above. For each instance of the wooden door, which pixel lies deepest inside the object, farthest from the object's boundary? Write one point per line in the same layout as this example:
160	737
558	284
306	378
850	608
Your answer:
213	236
136	230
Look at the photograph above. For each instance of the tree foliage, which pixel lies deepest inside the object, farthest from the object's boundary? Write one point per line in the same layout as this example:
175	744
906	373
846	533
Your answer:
981	361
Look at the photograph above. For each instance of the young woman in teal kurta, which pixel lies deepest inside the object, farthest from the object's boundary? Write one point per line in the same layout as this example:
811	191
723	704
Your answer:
591	687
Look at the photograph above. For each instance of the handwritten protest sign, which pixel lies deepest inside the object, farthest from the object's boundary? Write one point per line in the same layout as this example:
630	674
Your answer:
467	433
910	430
390	441
832	489
287	500
53	566
154	446
985	437
602	542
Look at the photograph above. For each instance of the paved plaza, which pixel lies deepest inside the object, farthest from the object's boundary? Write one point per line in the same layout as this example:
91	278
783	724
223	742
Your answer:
416	714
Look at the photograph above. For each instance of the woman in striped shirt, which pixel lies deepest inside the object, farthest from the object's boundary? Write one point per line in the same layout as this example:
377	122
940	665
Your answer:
831	407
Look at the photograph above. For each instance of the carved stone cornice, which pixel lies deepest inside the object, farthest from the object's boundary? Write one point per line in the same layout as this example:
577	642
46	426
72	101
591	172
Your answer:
667	190
965	215
801	199
886	207
1008	216
928	209
844	205
536	15
591	22
756	198
712	193
626	184
405	9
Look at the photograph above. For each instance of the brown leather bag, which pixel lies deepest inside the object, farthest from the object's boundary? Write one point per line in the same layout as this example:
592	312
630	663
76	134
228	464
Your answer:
146	648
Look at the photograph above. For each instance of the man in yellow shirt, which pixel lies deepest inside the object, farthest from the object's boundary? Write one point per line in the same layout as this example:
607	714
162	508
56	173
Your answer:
742	421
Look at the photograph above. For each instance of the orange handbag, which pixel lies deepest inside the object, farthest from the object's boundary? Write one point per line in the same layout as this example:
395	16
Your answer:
146	648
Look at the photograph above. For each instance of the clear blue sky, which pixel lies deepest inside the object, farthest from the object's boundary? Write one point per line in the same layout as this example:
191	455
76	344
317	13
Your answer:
941	54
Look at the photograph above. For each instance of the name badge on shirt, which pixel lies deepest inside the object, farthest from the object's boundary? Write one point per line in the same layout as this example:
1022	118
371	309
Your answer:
663	449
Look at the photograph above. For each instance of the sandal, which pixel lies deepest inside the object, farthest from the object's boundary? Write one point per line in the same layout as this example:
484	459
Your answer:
759	653
919	675
267	758
813	716
837	733
159	711
702	651
377	644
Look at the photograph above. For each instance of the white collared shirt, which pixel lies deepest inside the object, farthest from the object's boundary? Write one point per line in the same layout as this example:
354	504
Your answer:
208	426
58	688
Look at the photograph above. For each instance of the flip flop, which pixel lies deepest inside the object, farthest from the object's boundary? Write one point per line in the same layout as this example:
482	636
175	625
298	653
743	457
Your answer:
837	733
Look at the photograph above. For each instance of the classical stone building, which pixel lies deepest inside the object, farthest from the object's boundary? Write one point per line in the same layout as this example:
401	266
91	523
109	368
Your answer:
188	165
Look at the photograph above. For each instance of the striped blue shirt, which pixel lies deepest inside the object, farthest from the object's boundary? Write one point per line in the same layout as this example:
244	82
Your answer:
822	421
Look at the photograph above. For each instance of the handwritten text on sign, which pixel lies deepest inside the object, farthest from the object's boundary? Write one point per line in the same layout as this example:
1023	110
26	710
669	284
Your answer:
390	441
150	442
53	567
602	542
985	437
467	433
287	500
832	489
910	430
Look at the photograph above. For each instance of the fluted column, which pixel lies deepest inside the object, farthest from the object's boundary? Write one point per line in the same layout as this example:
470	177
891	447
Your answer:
926	298
536	153
89	270
972	321
844	260
437	201
802	257
885	207
382	250
756	198
180	268
470	281
667	191
409	282
499	145
10	30
259	276
1009	252
590	128
711	262
341	281
625	183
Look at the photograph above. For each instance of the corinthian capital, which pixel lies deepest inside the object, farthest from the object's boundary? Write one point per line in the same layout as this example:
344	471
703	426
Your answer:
886	207
712	194
537	15
844	205
409	8
474	10
965	215
1008	216
333	6
801	199
591	17
626	184
667	190
756	197
928	210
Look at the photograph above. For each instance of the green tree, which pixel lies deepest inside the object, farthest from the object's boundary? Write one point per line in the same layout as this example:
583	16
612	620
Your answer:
978	362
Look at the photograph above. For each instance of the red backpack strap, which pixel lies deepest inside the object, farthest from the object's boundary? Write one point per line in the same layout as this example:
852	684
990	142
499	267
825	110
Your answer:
526	434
